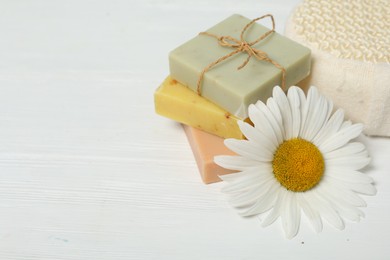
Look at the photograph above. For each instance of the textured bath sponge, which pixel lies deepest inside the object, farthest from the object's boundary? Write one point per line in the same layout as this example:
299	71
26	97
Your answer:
350	43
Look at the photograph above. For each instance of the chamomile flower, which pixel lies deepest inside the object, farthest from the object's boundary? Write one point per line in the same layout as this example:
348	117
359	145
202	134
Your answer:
297	158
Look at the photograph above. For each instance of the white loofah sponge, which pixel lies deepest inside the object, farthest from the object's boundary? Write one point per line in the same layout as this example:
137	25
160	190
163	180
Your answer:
350	43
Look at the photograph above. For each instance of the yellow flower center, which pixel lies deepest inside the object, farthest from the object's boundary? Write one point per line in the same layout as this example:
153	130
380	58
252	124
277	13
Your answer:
298	165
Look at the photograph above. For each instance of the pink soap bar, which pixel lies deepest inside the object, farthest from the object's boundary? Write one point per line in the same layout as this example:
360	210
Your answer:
205	146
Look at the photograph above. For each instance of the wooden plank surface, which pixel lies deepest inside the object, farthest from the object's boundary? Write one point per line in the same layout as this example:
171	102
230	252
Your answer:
88	171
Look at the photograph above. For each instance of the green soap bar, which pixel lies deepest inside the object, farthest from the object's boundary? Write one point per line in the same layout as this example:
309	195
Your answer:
228	87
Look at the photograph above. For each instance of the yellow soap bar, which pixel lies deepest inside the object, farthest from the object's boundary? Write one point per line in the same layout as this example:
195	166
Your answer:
205	146
176	101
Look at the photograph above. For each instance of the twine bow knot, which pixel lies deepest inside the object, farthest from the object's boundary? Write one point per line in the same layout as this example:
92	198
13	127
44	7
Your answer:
243	46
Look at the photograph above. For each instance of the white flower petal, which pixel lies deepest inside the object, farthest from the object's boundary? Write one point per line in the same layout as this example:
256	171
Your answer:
275	212
313	215
261	123
344	209
346	150
348	212
284	108
291	216
348	175
248	197
343	193
326	210
272	121
246	149
320	117
317	119
235	162
249	173
346	124
274	109
304	110
243	184
308	110
349	162
256	137
294	100
330	128
265	203
341	138
330	108
363	188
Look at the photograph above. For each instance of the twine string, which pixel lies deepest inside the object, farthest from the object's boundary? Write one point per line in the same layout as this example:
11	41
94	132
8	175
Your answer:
243	46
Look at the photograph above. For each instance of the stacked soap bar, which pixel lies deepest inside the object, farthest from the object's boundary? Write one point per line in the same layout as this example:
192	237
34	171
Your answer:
205	146
215	102
176	101
225	85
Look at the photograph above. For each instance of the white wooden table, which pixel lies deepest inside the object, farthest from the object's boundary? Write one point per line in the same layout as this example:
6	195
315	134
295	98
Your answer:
88	171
